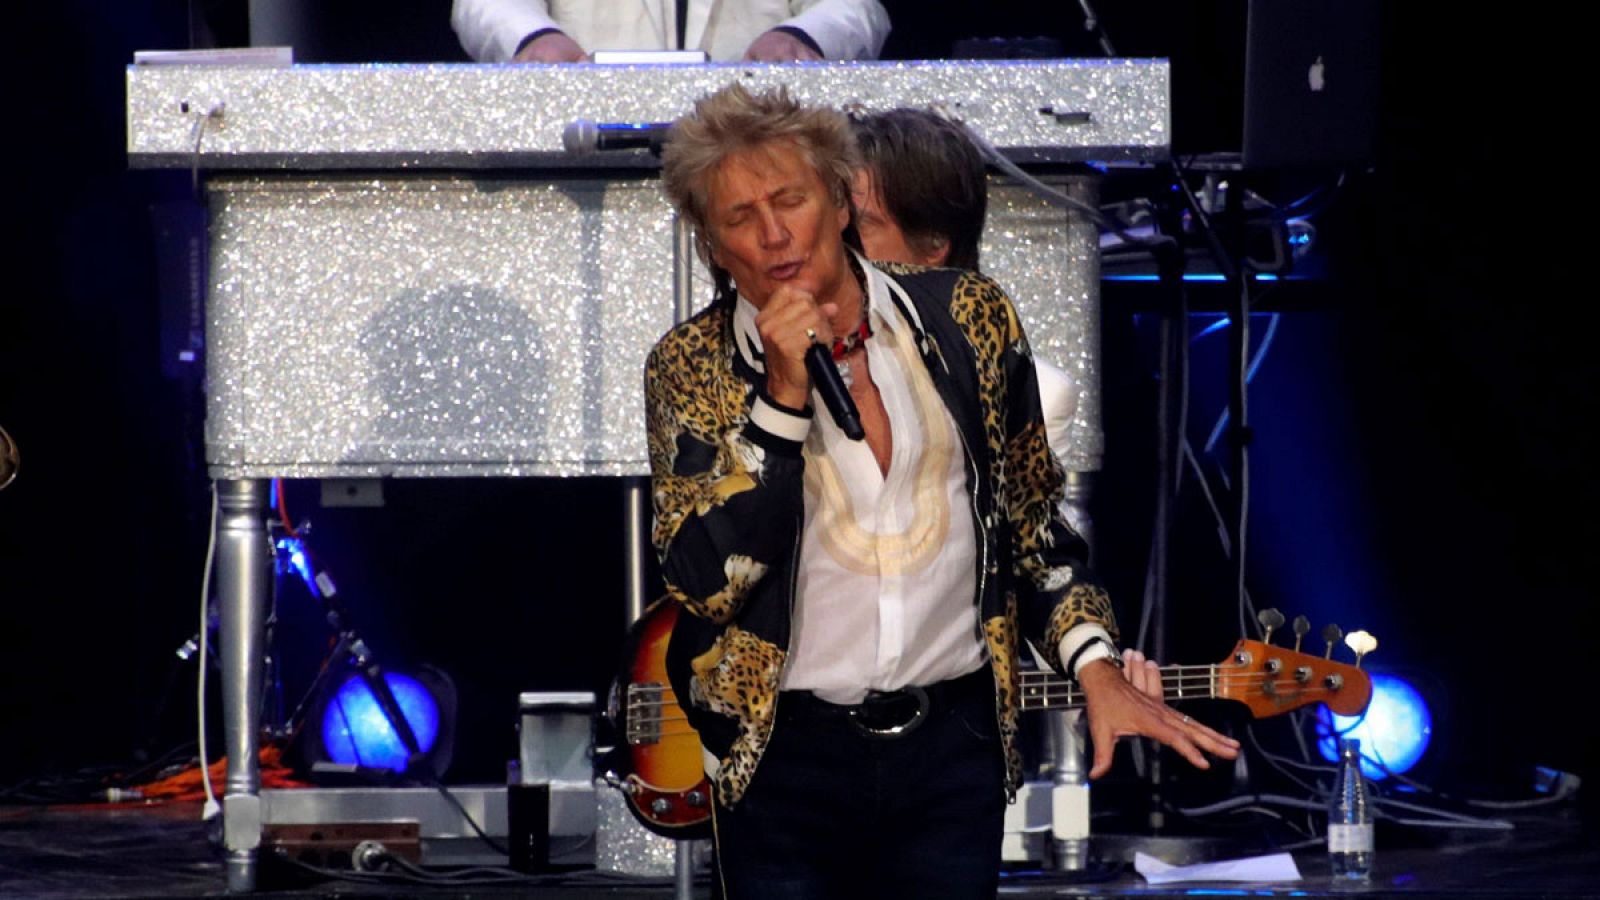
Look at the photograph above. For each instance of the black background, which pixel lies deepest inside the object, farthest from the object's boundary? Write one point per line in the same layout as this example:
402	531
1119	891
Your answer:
1418	469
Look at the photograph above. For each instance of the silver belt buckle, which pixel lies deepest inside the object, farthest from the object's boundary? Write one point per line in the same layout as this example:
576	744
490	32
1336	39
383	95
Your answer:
861	715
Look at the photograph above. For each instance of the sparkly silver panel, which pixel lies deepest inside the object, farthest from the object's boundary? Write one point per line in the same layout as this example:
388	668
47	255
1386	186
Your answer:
1048	259
432	326
474	116
420	324
624	846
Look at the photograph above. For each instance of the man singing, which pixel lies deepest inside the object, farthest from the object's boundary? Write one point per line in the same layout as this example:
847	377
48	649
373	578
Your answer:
850	658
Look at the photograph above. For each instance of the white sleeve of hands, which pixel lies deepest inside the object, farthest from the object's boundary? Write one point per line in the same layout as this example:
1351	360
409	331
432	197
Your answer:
844	29
490	30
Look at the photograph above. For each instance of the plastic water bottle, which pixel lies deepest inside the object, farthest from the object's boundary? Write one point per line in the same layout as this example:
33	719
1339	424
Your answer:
1350	818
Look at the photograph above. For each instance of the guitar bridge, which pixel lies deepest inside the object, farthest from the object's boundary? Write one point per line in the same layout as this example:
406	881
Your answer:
644	713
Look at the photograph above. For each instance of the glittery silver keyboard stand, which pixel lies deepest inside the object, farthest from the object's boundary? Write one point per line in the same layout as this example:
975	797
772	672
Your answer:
410	277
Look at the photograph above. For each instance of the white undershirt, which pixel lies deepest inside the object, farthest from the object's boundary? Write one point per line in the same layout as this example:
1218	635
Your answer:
887	581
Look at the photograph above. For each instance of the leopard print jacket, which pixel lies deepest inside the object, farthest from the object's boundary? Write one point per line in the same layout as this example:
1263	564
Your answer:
728	505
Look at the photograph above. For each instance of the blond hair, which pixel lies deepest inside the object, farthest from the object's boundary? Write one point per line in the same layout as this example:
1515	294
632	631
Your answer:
733	120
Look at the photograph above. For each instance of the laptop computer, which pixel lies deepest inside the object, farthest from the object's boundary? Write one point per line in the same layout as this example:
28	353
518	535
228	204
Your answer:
1310	83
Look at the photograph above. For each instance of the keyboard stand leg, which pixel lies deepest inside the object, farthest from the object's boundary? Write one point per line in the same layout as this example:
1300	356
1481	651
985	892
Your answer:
243	585
1069	793
683	870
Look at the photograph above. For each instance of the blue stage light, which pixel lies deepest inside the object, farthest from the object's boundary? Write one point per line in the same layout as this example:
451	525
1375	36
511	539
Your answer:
1393	732
293	551
356	732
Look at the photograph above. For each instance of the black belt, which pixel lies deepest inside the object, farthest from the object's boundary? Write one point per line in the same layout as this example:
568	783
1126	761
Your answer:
887	715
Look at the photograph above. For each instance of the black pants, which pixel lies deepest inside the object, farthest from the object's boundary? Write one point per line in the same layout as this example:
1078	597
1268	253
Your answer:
835	813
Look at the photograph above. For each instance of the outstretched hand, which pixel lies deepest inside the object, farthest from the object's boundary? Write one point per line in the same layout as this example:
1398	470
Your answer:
1129	706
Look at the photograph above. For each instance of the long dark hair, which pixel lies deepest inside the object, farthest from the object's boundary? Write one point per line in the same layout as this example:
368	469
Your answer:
930	178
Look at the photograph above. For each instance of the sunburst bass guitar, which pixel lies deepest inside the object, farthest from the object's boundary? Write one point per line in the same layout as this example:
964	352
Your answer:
661	768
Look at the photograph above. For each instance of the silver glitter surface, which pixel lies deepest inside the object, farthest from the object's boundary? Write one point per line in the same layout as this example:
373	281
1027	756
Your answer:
417	324
440	326
432	326
1047	257
448	326
624	846
496	116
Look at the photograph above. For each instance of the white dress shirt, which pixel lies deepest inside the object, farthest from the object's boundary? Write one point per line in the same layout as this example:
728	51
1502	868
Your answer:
887	580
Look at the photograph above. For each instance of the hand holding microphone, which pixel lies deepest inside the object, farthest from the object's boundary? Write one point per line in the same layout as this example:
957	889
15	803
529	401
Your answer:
825	376
797	337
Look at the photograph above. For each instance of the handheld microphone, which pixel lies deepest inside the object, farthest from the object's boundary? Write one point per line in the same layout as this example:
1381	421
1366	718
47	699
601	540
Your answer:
825	377
584	136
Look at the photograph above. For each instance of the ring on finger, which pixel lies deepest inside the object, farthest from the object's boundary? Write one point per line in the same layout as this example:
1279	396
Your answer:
1187	720
811	335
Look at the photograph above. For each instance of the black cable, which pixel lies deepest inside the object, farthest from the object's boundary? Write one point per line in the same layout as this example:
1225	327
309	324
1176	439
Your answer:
1563	791
1045	191
373	676
1219	254
471	822
1272	760
1092	24
87	784
410	873
1238	384
1317	199
156	763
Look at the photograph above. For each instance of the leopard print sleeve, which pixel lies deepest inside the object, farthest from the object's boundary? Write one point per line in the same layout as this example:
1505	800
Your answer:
1055	586
726	495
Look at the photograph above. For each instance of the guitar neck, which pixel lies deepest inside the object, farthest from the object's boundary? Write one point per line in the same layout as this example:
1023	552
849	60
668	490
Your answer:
1047	690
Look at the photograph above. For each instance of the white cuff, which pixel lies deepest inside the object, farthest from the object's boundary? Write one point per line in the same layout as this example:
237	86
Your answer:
778	423
1079	635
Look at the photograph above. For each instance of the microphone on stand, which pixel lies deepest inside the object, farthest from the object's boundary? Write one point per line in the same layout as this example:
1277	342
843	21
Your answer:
584	136
830	384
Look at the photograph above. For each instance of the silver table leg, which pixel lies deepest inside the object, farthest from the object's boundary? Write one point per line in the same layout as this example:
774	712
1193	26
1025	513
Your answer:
243	583
683	870
1069	791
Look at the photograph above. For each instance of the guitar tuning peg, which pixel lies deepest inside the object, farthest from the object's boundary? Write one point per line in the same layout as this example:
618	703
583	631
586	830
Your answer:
1302	626
1270	619
1362	643
1331	635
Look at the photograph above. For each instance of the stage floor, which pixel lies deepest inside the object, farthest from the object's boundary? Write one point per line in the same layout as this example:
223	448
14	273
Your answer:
162	851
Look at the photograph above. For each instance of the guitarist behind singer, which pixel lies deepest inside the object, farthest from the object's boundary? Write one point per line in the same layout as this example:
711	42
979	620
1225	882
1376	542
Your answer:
940	189
850	654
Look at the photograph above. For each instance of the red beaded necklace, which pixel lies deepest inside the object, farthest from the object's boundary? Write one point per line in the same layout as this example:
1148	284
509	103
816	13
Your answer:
842	346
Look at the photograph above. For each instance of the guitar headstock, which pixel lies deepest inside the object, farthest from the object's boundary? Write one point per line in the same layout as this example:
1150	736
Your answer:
1271	680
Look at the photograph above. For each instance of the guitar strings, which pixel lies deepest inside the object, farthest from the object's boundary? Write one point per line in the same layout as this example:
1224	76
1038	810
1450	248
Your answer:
1047	684
1070	693
1030	702
1167	673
